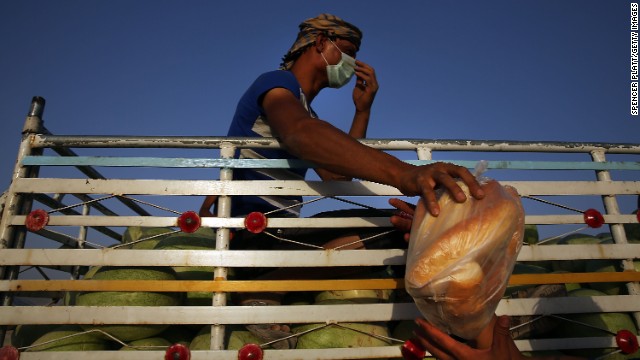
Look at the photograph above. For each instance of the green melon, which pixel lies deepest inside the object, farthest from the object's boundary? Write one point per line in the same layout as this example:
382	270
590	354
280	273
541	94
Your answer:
135	233
613	322
62	342
568	286
349	335
130	298
356	296
239	338
25	335
531	236
189	242
574	265
202	340
605	266
203	239
70	297
148	344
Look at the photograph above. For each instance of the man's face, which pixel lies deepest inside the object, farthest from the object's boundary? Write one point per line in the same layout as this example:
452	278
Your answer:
333	54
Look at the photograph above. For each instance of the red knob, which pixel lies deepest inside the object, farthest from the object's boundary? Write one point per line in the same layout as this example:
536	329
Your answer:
412	351
638	215
177	352
255	222
8	352
250	352
37	220
189	222
627	342
593	218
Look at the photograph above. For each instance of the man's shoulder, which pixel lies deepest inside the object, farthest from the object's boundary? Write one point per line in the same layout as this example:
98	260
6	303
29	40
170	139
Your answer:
277	78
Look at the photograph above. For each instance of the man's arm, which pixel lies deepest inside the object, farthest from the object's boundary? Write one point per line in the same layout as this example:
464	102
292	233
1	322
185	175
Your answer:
364	93
323	144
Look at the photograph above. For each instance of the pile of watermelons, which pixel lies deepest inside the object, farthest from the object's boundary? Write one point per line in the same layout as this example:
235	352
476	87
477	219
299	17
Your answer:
141	337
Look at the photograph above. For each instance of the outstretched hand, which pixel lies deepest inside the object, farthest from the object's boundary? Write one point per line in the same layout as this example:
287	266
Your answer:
444	347
403	218
424	180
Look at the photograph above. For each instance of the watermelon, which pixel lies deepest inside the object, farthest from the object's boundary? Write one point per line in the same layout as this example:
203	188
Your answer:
612	322
153	343
25	335
194	241
132	298
531	236
574	265
80	342
152	234
70	297
355	296
239	338
605	266
202	340
346	335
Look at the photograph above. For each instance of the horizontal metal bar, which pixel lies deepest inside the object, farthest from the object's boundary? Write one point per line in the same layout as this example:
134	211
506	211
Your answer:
298	258
213	222
292	163
226	258
209	142
14	315
333	353
285	223
302	188
200	285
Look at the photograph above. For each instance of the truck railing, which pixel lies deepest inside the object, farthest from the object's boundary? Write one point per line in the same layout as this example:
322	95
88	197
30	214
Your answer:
558	182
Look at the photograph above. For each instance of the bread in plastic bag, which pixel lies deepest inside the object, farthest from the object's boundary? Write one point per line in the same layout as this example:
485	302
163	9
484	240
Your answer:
459	263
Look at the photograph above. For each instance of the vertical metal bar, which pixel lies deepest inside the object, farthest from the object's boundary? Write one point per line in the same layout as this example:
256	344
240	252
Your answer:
15	203
222	243
424	153
617	230
82	238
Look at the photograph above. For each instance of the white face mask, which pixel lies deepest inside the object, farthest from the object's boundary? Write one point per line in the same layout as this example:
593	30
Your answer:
340	74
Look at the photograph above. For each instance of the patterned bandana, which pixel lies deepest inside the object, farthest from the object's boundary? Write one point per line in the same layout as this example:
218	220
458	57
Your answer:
330	25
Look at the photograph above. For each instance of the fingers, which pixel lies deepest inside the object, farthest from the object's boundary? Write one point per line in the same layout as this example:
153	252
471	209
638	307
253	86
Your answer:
403	206
435	341
403	220
502	341
445	175
366	76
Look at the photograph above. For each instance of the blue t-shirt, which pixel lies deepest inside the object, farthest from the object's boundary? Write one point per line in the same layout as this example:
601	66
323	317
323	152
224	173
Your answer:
250	121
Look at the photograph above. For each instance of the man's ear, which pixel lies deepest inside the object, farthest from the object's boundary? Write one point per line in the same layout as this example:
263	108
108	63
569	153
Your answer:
319	44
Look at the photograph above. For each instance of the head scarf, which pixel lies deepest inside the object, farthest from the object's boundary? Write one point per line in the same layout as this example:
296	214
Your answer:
327	24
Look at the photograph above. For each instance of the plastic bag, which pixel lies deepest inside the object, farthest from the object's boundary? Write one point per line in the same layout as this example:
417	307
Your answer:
459	263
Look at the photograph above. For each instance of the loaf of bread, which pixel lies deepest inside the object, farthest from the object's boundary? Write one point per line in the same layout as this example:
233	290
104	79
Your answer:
459	263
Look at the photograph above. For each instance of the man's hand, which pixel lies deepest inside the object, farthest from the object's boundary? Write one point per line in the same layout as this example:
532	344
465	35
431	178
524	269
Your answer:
403	219
444	347
423	181
366	87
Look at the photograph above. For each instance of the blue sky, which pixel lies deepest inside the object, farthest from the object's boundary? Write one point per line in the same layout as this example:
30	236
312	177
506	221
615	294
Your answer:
508	70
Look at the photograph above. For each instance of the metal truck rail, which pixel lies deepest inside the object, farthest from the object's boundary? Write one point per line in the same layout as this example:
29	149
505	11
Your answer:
62	215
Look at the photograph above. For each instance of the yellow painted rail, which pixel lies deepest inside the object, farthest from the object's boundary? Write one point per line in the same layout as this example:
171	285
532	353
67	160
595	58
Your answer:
286	285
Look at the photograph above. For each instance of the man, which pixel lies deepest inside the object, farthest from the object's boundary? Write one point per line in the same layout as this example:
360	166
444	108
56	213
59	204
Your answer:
278	104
